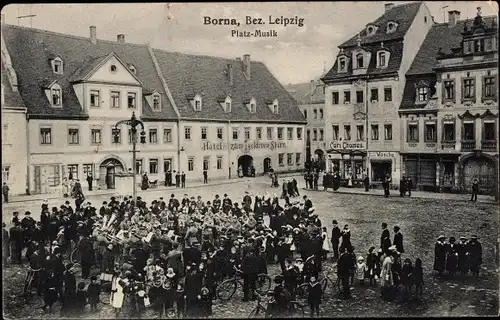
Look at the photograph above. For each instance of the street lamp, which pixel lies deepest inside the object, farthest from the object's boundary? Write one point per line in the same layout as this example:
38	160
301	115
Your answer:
133	123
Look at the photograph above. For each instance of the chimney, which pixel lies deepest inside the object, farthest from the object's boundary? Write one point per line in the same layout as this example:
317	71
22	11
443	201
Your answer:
246	65
120	38
453	17
93	34
389	6
230	73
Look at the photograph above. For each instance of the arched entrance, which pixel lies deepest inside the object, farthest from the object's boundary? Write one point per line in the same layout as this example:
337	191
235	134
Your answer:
482	168
245	165
107	171
267	165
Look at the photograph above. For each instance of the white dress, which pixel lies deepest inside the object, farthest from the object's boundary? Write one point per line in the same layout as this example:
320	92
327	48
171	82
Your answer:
117	297
326	243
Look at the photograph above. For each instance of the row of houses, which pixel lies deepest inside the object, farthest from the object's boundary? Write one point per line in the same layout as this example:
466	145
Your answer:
62	96
410	97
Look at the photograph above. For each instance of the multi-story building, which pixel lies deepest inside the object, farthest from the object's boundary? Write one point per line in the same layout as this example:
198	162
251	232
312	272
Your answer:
450	108
198	112
311	99
364	90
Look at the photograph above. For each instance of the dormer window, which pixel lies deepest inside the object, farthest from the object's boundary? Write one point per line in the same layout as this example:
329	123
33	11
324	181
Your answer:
156	102
422	94
342	64
359	60
57	65
197	103
382	59
391	27
253	109
274	106
56	96
371	30
228	104
251	105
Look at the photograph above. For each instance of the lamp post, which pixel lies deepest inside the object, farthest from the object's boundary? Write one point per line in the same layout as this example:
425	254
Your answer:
133	123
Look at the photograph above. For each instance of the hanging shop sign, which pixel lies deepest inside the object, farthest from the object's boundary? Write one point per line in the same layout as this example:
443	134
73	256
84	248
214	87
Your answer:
347	145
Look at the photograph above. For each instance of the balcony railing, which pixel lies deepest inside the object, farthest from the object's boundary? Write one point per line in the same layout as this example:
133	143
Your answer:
468	145
448	145
488	145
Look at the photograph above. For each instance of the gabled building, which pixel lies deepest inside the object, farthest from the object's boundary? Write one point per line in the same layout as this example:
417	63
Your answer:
450	107
364	91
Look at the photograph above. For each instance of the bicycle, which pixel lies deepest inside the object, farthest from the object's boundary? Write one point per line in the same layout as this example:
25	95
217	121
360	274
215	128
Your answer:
328	280
227	289
294	309
259	309
28	282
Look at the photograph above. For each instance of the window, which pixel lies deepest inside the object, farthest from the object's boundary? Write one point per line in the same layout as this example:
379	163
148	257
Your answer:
204	133
253	109
449	90
275	108
425	19
138	166
448	131
187	133
116	133
469	88
374	95
381	59
167	135
219	163
388	94
289	133
220	134
131	100
468	131
73	170
422	94
360	132
489	131
280	133
269	133
305	113
430	132
359	60
391	27
488	44
297	158
387	131
5	173
46	136
247	133
335	98
95	136
156	103
206	163
321	135
315	114
413	132
54	175
289	159
113	68
115	99
153	166
347	132
347	97
73	136
235	133
335	132
88	168
191	164
197	105
321	114
359	96
299	133
281	159
489	88
153	135
94	98
258	133
479	45
342	64
56	97
58	66
374	131
315	134
228	106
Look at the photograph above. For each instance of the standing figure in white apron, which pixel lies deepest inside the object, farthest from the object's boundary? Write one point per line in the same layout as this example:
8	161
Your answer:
117	294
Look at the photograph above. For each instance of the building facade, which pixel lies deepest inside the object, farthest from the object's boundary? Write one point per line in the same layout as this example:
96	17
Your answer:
450	109
364	90
76	89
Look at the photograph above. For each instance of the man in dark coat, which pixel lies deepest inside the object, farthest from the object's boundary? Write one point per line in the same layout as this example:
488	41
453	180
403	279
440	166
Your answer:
247	202
307	203
335	240
475	190
402	186
87	250
386	185
409	186
440	255
205	176
5	192
250	270
191	254
28	225
16	243
177	179
398	239
183	179
475	251
463	258
344	266
295	187
384	244
226	204
89	180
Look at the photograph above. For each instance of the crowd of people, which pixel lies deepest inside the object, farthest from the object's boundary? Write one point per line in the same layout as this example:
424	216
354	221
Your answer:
462	257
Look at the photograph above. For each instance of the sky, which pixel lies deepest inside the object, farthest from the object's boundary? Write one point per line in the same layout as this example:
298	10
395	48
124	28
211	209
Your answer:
297	54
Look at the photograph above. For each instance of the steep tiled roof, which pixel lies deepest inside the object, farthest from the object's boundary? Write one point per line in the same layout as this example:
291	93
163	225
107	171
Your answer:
439	36
188	75
12	99
298	90
396	53
410	91
403	15
303	94
31	50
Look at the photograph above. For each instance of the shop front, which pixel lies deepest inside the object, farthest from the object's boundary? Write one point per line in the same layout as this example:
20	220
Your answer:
349	161
422	169
382	165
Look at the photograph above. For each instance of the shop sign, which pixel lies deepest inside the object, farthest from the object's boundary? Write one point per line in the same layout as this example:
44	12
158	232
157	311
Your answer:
346	145
383	154
247	146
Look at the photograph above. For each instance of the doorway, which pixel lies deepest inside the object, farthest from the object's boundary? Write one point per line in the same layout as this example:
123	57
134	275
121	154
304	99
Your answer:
267	165
110	177
107	171
245	165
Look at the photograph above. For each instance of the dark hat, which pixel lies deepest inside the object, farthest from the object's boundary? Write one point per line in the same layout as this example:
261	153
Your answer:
216	195
81	285
27	213
334	222
278	279
94	278
452	239
172	196
225	194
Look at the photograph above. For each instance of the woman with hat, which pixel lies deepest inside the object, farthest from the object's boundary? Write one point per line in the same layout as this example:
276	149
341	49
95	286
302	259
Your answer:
440	254
463	264
451	256
475	251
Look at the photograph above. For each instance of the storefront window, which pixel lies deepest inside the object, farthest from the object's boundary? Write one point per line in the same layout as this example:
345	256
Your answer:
380	170
334	165
347	170
358	165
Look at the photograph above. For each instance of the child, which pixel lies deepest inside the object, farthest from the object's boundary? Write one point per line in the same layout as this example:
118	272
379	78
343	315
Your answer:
81	299
314	297
360	270
371	261
417	277
181	301
93	292
326	243
406	274
205	303
378	263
